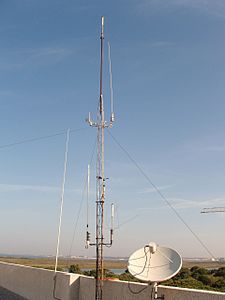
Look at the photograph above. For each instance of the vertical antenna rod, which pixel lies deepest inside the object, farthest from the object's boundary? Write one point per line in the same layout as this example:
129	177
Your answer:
101	124
88	191
112	118
112	223
62	198
100	184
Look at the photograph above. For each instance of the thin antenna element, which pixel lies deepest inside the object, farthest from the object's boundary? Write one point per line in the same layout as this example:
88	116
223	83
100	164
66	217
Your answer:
88	191
112	119
100	124
62	198
112	223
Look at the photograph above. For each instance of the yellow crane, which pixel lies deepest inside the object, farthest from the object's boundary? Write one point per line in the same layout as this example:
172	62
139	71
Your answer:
208	210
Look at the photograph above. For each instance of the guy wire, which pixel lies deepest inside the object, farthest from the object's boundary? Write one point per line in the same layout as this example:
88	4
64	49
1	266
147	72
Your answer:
162	196
34	139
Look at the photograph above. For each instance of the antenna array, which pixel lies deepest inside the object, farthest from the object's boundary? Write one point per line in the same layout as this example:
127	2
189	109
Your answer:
101	124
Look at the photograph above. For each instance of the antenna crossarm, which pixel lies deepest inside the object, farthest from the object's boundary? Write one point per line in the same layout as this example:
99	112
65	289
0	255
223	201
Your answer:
99	125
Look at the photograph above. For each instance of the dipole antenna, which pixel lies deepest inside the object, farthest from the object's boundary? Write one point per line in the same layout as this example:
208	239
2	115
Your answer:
100	124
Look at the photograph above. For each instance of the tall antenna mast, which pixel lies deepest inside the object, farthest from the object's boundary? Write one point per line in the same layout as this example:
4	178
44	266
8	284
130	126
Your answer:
101	124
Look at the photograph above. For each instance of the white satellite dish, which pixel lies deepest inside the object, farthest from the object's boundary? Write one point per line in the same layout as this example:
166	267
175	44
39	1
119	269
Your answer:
154	263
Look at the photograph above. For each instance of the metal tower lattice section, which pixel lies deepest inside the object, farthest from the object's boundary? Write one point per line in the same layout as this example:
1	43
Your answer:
101	124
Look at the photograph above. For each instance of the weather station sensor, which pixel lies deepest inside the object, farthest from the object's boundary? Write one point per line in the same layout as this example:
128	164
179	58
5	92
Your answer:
153	264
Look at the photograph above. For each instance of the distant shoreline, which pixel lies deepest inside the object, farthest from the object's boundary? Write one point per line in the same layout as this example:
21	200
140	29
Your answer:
89	263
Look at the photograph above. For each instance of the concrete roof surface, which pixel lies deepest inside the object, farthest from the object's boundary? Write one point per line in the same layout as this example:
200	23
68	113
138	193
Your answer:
7	295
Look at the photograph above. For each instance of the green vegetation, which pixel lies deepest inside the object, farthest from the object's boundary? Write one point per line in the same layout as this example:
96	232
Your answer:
75	269
199	278
107	273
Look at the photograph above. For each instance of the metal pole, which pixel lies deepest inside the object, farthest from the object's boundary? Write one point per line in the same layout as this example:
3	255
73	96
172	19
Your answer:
100	183
101	124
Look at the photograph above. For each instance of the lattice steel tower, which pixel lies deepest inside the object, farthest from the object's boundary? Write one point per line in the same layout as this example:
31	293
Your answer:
100	124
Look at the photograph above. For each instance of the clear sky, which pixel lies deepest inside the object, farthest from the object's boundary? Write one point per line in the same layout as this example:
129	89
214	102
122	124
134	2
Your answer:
168	61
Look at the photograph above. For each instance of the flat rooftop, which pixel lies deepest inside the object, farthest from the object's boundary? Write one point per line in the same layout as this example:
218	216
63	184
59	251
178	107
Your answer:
7	295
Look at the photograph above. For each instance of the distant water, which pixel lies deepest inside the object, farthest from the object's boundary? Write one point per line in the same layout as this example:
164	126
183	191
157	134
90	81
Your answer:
118	271
115	271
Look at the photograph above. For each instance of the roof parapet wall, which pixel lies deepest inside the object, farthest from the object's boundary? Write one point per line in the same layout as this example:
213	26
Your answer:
38	284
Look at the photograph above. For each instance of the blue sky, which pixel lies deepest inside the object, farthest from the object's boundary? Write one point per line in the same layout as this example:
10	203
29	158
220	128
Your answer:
168	77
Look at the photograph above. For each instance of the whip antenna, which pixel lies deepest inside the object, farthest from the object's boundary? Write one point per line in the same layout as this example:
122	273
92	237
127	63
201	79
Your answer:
112	117
62	198
88	191
112	224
